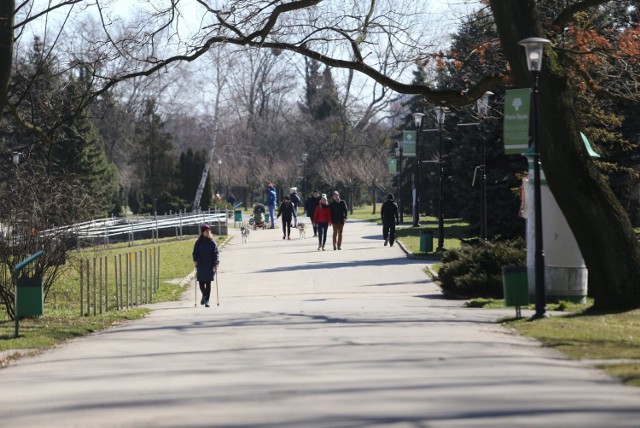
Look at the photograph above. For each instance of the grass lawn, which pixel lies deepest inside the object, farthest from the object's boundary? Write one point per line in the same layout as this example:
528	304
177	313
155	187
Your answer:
592	336
62	319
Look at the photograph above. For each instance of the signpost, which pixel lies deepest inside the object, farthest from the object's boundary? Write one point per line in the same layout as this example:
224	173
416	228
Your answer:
409	144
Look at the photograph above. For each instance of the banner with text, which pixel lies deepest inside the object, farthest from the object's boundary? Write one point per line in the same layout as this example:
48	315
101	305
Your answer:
409	144
516	121
393	166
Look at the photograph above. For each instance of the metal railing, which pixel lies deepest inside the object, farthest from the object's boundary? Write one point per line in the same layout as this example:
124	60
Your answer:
126	228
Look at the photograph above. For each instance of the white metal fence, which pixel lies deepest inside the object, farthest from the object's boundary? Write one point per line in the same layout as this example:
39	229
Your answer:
120	229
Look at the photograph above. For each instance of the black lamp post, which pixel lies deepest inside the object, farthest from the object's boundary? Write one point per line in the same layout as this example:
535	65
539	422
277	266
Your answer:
304	175
483	111
440	114
219	180
399	156
534	49
417	118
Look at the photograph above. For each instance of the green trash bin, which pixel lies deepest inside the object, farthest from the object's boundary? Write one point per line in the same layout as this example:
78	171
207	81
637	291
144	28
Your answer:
237	216
266	217
426	241
515	287
30	297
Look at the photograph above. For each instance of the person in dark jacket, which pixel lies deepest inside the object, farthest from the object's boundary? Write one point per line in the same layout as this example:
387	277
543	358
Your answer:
390	218
295	201
287	211
322	218
310	206
339	211
206	260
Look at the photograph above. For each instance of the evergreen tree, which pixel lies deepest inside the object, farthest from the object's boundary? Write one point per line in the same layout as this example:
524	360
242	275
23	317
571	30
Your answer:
152	155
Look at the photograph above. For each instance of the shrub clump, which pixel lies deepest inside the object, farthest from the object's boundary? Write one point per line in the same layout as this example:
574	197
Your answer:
476	271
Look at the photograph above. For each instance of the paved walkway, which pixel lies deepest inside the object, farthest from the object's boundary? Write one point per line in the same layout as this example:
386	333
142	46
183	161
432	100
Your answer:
351	338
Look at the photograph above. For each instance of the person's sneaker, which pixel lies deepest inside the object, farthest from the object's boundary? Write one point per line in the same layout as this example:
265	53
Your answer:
319	247
339	248
206	305
386	241
391	244
202	301
323	248
334	247
288	238
283	237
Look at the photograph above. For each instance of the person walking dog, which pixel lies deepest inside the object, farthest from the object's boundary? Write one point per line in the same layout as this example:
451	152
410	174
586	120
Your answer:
206	260
390	218
287	211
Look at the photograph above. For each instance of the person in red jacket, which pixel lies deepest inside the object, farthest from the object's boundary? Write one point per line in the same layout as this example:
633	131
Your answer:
322	219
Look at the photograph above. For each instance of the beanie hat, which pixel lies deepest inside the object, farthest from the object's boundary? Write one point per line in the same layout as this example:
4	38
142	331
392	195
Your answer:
335	193
204	227
390	196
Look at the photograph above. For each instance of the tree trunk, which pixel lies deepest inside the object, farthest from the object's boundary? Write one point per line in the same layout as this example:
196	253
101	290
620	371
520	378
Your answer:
598	221
6	49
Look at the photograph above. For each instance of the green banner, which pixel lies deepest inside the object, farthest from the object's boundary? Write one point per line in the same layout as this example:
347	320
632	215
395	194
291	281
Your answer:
516	121
393	166
409	144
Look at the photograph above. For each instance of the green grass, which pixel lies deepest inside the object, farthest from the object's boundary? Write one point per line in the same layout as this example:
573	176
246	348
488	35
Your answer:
562	306
62	319
586	335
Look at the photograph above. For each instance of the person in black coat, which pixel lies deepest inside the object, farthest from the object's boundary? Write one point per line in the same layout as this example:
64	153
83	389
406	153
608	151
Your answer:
390	218
310	206
287	211
206	260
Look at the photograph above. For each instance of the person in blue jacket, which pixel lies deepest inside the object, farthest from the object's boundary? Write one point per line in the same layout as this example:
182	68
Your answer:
271	203
206	260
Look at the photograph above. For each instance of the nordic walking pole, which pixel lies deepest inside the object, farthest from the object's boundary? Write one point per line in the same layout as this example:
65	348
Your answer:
217	291
195	291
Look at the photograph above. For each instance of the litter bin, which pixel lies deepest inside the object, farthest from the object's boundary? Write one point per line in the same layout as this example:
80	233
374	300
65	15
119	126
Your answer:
30	297
426	241
515	287
266	217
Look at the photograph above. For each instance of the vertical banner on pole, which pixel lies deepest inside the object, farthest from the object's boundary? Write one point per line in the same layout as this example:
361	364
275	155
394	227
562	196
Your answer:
516	121
393	166
409	144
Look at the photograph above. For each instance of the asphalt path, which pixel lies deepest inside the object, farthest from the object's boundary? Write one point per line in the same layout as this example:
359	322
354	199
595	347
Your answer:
305	338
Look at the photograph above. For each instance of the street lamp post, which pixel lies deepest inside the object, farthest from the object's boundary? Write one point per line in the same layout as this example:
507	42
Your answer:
417	118
399	156
304	175
219	180
483	111
534	49
440	114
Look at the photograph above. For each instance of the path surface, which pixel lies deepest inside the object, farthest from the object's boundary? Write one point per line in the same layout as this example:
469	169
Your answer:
351	338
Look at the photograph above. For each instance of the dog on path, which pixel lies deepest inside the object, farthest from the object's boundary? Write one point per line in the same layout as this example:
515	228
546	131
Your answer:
301	230
244	231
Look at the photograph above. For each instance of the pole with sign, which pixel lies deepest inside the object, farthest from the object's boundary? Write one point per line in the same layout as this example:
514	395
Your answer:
516	121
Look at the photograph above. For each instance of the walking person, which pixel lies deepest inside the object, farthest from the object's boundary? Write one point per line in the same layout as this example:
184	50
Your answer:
310	206
206	260
287	212
390	218
322	219
295	201
339	212
271	203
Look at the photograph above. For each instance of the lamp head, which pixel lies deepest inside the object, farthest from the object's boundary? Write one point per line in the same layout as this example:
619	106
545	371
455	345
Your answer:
219	161
483	104
534	48
417	119
440	114
304	157
15	156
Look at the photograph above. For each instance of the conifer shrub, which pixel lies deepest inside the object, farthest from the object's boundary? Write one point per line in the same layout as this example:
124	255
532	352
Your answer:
476	270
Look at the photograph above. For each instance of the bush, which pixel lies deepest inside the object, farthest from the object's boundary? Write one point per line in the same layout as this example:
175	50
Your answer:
476	271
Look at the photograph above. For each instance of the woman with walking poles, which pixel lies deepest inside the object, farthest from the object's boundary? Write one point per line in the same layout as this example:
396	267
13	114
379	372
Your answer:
206	260
287	211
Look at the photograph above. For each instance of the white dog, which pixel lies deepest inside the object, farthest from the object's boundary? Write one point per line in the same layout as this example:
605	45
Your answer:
301	229
244	231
